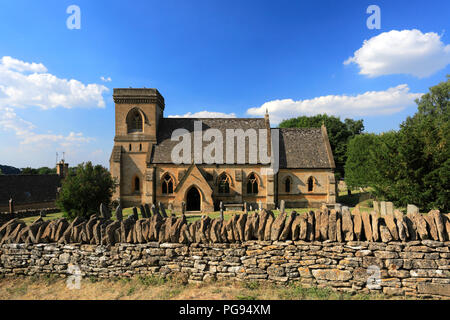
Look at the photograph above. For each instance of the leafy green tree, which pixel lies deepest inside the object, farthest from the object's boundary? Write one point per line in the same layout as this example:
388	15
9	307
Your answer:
46	170
424	151
359	167
82	193
339	134
28	170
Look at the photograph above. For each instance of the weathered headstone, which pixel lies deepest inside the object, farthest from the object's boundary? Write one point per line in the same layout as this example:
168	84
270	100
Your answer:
338	207
282	204
347	224
411	209
11	205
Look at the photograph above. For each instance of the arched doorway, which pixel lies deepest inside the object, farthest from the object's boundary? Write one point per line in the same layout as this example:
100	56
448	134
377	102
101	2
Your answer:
193	200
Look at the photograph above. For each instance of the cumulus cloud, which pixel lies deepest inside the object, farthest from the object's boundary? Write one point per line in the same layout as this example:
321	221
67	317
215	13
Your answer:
205	114
24	84
402	52
386	102
25	132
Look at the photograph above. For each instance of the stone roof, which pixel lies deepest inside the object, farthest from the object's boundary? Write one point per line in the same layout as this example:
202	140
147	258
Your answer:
304	148
28	188
299	147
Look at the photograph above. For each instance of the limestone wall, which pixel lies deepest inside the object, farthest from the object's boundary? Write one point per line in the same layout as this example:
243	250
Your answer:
417	268
409	253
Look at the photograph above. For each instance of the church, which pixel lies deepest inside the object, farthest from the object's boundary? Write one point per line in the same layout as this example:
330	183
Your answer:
265	166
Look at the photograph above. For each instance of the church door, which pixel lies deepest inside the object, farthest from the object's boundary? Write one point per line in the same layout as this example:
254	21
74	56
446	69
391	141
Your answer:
193	200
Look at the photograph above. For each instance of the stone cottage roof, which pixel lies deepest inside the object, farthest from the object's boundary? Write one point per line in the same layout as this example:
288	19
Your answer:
304	148
299	147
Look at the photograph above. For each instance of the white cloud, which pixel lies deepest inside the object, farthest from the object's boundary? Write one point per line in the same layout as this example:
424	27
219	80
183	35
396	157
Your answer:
24	131
20	88
402	52
205	114
105	79
369	103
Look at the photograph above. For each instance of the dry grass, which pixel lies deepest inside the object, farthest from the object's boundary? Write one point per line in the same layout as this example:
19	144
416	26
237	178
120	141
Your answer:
155	288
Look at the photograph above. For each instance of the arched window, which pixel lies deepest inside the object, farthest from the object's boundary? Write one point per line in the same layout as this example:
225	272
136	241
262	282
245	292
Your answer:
140	146
167	184
252	184
134	121
287	185
224	183
137	184
310	184
129	147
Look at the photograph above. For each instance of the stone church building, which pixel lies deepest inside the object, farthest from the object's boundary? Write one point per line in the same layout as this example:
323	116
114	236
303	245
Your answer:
145	173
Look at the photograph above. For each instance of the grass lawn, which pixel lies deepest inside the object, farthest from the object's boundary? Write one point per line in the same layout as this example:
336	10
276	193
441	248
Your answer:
53	287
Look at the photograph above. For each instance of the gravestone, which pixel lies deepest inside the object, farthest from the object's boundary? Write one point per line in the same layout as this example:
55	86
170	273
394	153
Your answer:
104	211
282	204
147	210
11	205
338	207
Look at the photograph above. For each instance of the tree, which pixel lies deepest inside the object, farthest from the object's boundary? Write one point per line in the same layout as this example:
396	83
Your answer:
28	170
359	167
82	193
46	170
411	165
339	134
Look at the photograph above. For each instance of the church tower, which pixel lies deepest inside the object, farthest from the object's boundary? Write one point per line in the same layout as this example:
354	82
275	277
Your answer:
138	112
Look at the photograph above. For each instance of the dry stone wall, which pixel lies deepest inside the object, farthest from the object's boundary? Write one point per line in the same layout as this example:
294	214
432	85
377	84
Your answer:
403	254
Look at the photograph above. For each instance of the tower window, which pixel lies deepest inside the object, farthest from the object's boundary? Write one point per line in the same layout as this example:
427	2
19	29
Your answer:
129	147
252	184
134	121
310	184
167	184
140	146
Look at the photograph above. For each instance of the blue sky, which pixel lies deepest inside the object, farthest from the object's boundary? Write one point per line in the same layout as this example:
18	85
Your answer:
232	57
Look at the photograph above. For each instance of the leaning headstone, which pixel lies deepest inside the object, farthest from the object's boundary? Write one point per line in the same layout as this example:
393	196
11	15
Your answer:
376	206
11	205
163	210
389	208
383	208
119	215
282	204
412	209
